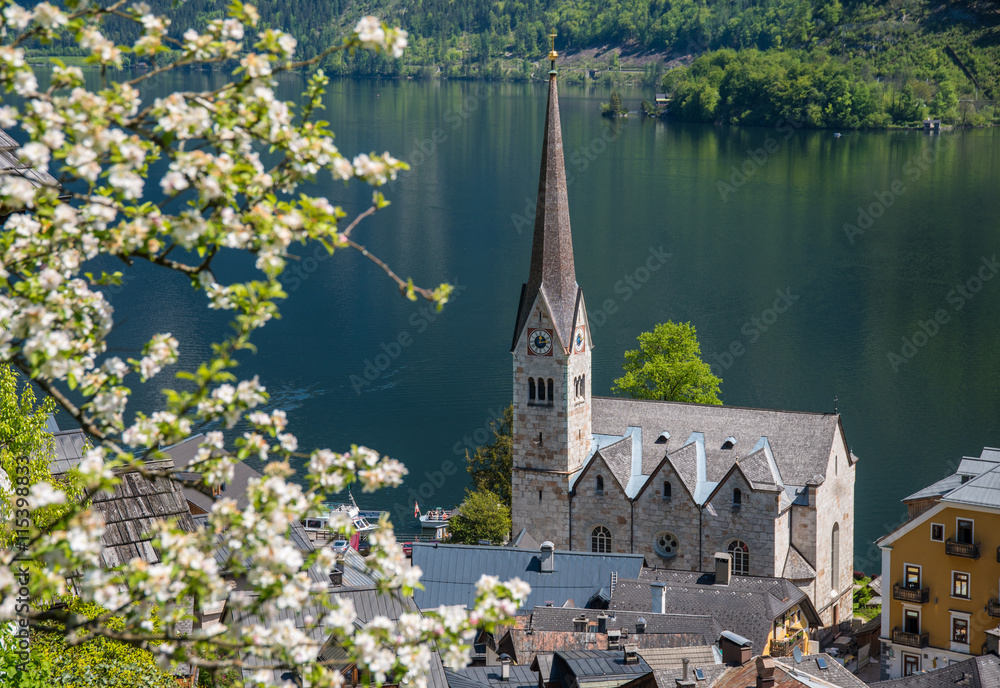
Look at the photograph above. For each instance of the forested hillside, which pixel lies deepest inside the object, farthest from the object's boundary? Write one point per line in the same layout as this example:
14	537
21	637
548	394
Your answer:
915	48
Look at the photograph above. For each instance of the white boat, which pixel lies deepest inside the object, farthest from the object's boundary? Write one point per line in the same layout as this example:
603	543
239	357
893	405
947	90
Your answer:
435	522
318	526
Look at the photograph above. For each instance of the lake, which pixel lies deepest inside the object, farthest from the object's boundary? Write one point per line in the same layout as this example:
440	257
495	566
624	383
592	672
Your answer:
879	247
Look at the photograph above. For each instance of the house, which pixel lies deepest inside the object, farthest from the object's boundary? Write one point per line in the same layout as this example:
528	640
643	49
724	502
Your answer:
547	629
974	672
201	497
675	482
942	567
773	613
557	578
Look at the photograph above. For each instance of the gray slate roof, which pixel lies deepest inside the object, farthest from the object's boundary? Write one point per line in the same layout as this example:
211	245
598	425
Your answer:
976	672
672	658
184	452
835	672
590	664
800	442
562	619
521	676
451	573
69	446
747	606
796	566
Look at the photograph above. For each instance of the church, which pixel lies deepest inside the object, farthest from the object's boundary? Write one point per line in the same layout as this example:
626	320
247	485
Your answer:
676	482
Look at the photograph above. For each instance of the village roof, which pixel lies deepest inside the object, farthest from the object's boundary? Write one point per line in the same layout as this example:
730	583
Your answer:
183	453
982	490
584	666
938	489
70	446
702	629
872	624
451	573
747	606
975	672
521	676
776	450
835	673
11	164
669	659
368	603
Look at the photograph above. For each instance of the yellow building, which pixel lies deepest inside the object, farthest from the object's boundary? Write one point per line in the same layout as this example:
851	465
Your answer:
941	571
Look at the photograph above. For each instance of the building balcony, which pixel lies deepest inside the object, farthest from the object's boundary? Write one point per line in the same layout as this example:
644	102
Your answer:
909	639
784	647
993	608
961	549
904	594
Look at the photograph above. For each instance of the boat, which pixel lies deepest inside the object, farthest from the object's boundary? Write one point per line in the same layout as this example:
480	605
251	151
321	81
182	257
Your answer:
435	522
317	526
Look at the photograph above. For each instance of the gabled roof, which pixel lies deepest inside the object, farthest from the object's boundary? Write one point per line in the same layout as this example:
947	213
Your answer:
552	271
796	566
587	665
975	672
702	628
747	606
938	489
451	573
983	490
184	452
521	676
775	449
808	670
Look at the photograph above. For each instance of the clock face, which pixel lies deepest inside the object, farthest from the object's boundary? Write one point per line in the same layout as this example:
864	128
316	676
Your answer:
579	340
540	342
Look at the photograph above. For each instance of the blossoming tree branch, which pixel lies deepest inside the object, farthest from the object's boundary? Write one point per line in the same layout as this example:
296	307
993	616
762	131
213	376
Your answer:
54	321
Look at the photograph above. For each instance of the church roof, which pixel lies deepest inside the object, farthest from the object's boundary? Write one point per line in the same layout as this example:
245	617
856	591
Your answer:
775	449
552	273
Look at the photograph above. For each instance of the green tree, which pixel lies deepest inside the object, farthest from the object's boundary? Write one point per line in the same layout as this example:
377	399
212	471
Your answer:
492	464
482	516
615	108
668	366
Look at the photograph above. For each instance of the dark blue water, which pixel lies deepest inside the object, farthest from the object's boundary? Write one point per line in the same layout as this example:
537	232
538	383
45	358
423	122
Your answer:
747	215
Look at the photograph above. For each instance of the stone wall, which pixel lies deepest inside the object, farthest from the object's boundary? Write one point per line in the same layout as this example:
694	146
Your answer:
753	523
551	439
590	509
834	501
677	516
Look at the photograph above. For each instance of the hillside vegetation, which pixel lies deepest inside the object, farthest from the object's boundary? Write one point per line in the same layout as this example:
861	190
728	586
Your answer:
850	64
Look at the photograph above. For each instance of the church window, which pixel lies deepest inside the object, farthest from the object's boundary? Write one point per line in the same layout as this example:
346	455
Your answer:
531	390
539	495
600	485
666	544
741	557
666	490
541	389
835	557
551	395
737	498
600	540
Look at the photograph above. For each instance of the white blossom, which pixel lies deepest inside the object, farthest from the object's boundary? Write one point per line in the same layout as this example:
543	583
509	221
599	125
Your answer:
42	494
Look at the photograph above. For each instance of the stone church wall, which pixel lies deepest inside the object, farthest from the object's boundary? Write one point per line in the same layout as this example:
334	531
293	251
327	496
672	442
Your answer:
677	516
753	523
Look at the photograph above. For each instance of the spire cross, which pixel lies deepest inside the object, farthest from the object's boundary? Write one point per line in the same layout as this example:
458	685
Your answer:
552	50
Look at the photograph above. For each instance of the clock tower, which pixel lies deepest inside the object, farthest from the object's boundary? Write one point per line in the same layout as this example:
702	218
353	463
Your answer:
552	421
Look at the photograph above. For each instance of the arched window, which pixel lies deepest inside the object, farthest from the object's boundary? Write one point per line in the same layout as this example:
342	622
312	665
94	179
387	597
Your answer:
741	557
600	540
737	497
835	557
600	484
531	389
552	397
541	389
583	385
666	489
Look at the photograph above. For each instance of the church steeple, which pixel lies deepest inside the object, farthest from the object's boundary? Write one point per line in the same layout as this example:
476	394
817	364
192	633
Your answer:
551	433
552	270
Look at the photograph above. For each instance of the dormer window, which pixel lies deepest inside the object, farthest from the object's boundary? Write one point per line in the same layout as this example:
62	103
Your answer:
662	439
729	443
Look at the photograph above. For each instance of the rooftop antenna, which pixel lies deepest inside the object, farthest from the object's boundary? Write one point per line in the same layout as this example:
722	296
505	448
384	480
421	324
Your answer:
552	52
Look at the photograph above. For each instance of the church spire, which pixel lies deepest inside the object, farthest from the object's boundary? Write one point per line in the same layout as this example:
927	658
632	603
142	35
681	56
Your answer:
552	270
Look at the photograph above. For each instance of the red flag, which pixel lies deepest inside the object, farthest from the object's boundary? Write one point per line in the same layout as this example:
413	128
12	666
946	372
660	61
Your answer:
416	509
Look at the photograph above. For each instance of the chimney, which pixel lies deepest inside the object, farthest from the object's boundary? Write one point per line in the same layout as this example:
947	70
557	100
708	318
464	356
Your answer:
504	667
631	654
640	625
547	558
723	568
685	682
580	624
337	577
602	623
659	592
765	672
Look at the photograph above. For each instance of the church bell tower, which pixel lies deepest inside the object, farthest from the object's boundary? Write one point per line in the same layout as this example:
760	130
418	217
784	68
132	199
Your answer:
552	402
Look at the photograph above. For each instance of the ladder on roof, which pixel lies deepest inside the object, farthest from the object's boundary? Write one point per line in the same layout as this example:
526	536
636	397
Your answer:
614	581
